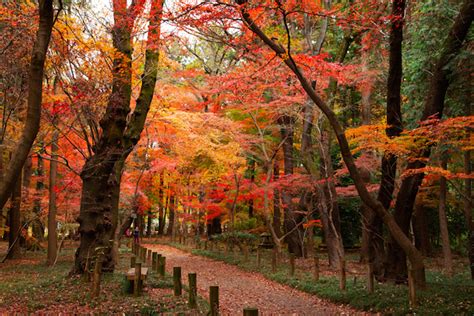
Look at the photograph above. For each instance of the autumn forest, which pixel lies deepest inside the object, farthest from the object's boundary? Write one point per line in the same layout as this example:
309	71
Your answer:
229	157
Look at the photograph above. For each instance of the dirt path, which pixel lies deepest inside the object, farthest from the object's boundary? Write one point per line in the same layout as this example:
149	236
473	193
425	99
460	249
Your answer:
238	288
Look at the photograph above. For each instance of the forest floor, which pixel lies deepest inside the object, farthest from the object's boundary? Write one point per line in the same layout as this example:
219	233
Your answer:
239	288
443	296
28	286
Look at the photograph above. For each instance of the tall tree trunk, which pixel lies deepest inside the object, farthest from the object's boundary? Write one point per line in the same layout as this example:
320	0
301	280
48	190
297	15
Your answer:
467	199
329	208
276	223
35	93
468	207
161	205
396	268
251	170
443	221
373	227
27	171
171	215
53	174
148	225
3	210
121	129
291	219
37	224
15	222
420	229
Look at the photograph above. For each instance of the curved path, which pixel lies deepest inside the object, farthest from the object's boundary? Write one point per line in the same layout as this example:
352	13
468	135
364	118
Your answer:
238	288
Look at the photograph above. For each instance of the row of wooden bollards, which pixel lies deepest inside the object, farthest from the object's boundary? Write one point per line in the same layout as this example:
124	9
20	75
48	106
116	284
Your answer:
213	294
159	265
316	269
274	263
292	268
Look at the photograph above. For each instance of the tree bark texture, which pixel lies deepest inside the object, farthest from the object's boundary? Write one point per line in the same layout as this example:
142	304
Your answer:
35	93
171	215
276	223
396	268
468	207
161	205
15	222
421	229
121	131
373	223
291	220
53	175
443	221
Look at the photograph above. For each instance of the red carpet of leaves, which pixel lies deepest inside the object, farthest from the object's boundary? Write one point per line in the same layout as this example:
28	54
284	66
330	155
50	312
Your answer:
239	289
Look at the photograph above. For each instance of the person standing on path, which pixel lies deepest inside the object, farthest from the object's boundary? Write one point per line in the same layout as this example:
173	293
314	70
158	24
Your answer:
136	235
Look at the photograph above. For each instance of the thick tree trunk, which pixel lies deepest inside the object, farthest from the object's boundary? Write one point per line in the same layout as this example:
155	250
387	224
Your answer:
33	115
443	221
291	220
53	174
396	268
15	222
420	230
394	121
121	131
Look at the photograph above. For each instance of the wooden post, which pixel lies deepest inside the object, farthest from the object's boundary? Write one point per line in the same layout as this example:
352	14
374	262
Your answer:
132	261
153	261
158	258
274	260
316	268
177	281
205	244
370	278
148	255
143	254
246	253
259	258
250	311
138	279
96	278
292	264
342	275
192	290
162	266
214	300
411	289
